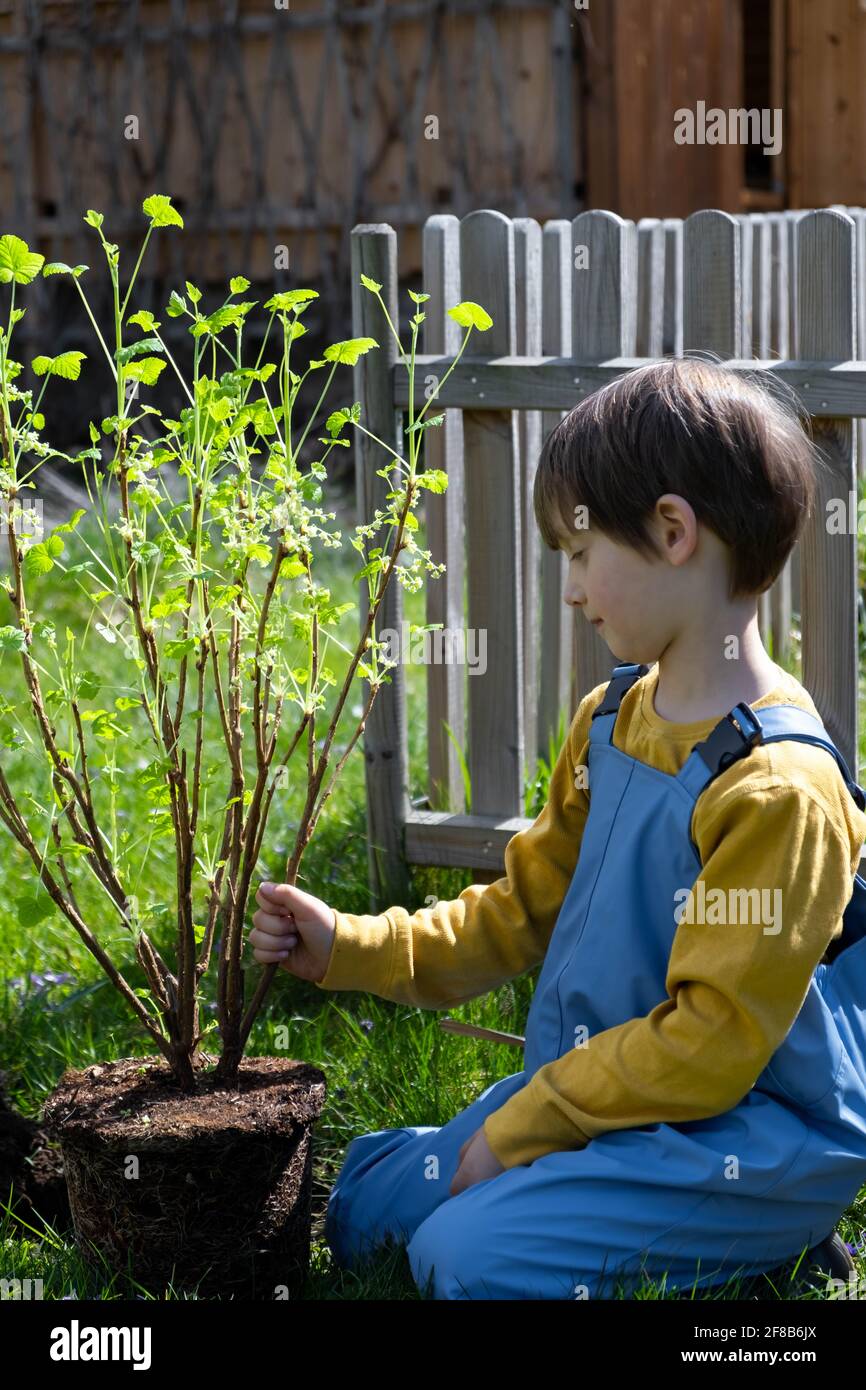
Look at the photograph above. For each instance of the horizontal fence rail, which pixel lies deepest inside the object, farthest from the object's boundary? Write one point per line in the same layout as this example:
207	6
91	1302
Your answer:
827	390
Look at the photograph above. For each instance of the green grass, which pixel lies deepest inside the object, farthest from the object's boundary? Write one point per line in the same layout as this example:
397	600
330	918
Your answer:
402	1070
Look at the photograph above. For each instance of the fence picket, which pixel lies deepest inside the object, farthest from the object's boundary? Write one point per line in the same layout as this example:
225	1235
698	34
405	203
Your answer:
557	619
494	560
603	325
374	253
826	330
527	258
443	448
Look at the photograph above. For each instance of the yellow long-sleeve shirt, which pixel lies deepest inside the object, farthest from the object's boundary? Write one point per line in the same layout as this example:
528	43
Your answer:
780	818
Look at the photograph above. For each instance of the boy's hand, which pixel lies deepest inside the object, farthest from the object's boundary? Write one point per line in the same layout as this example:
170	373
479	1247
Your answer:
477	1163
294	930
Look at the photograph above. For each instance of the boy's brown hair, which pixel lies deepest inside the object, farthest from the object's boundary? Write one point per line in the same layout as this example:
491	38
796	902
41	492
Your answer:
740	455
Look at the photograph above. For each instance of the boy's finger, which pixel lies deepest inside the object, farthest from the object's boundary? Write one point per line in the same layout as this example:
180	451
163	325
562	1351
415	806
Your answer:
273	926
271	957
273	905
271	946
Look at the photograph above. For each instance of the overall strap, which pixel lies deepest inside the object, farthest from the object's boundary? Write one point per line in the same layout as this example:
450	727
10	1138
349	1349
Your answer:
741	730
605	712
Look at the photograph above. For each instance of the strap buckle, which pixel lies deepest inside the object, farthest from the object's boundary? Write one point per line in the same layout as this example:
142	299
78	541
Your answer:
732	738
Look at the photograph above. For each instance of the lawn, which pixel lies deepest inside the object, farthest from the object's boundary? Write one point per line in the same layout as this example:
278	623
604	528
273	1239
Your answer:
387	1065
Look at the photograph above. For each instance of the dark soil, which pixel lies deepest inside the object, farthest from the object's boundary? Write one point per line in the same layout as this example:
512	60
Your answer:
210	1189
31	1168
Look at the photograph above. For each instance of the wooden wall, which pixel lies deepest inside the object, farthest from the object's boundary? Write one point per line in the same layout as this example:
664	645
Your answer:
644	61
286	125
826	102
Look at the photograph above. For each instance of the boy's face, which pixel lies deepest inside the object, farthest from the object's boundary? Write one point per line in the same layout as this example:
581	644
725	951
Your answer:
634	602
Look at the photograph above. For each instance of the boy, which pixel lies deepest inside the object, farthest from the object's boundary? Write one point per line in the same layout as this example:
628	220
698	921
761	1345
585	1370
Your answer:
692	1103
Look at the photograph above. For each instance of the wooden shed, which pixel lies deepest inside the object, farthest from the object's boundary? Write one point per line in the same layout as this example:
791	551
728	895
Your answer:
279	125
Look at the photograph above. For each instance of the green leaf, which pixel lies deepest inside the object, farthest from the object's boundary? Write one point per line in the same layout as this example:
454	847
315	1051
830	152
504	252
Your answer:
424	424
290	299
418	298
40	558
176	305
238	284
123	702
471	315
12	639
93	219
230	314
17	261
433	479
338	418
88	685
252	374
370	284
126	354
160	211
349	351
144	319
32	911
43	628
180	648
291	569
67	365
73	521
146	371
61	268
172	601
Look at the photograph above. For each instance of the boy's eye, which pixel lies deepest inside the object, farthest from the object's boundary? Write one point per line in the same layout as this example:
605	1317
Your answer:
577	554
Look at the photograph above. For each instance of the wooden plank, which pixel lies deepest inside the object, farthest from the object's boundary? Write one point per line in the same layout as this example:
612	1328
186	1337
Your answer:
779	293
774	606
672	337
745	348
784	595
557	619
603	323
712	283
470	842
792	219
859	217
527	261
569	115
827	329
761	285
650	287
459	841
827	390
374	253
494	567
446	534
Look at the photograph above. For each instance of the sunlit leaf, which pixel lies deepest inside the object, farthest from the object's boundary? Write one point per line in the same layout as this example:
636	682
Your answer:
160	211
17	261
67	365
349	351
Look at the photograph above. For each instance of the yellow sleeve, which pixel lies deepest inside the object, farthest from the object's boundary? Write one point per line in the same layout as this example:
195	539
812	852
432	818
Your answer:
734	990
444	955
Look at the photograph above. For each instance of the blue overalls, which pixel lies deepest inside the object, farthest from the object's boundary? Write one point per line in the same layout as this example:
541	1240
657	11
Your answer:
661	1199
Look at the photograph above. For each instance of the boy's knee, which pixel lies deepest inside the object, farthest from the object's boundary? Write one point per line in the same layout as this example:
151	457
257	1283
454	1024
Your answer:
446	1256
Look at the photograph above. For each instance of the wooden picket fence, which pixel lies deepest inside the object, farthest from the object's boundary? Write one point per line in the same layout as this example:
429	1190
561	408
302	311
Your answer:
781	293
